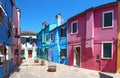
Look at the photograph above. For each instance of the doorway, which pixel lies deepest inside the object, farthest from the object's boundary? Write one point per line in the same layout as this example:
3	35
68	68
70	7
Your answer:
77	52
29	53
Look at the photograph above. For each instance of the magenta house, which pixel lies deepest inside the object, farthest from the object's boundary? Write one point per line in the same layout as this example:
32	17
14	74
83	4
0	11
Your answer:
92	38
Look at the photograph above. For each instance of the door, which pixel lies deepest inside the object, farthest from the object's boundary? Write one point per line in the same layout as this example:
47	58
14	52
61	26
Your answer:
77	56
29	53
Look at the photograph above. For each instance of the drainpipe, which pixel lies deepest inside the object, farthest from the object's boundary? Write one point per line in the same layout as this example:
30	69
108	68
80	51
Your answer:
118	54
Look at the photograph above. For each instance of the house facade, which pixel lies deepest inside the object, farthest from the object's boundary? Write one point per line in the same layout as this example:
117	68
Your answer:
92	42
28	44
58	44
6	38
43	40
16	48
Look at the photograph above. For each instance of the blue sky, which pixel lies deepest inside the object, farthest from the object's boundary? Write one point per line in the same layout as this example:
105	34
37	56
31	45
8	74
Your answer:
34	12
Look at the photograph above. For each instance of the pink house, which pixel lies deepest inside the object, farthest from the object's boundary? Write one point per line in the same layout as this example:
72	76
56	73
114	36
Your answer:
92	39
16	35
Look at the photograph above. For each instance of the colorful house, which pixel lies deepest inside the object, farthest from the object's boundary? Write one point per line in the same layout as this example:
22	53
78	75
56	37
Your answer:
6	38
92	42
28	44
58	44
16	48
43	40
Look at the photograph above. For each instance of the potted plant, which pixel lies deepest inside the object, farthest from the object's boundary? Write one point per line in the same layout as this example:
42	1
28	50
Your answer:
21	59
42	61
36	60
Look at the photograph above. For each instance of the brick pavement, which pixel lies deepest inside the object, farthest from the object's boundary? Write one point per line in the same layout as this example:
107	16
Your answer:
29	69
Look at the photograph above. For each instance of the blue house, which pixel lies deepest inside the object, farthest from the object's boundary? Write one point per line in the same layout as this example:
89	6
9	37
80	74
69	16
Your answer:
58	44
6	7
40	44
43	40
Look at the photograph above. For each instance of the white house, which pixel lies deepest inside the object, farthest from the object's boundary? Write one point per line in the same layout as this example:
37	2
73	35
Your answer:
28	44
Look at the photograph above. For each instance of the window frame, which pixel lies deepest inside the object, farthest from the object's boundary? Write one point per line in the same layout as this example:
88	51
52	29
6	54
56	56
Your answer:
62	33
62	52
110	11
111	50
72	27
46	37
51	38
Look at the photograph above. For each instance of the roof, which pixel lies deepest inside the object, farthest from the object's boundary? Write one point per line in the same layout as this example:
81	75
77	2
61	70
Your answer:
27	33
93	8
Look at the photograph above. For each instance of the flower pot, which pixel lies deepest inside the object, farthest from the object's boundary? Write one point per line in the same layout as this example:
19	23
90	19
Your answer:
51	68
42	63
36	60
21	61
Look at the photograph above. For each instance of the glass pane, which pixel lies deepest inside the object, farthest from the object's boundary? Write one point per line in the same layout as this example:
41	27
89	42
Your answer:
108	19
74	27
107	50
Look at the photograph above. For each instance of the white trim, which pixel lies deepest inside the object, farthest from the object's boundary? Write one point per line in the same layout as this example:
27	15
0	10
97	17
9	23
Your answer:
111	50
74	54
72	27
110	11
3	10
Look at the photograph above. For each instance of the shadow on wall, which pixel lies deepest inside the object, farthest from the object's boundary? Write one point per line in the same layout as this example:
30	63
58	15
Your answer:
104	75
111	64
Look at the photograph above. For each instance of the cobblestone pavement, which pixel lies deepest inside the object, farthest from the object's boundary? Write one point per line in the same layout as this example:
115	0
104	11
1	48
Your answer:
29	69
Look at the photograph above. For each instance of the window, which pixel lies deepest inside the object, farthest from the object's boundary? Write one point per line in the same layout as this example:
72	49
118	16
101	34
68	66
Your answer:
22	52
46	51
107	50
51	36
38	51
63	53
63	32
47	37
108	19
1	16
9	28
74	28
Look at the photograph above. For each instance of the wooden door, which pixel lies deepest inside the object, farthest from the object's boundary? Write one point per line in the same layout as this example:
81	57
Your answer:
29	53
77	56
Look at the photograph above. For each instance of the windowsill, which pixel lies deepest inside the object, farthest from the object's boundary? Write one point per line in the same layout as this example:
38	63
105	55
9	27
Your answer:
74	33
106	58
107	27
63	37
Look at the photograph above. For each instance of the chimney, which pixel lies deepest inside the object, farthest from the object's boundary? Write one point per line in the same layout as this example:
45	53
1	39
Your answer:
44	24
59	19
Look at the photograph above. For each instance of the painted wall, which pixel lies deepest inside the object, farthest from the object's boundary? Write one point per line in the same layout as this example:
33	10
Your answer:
16	35
63	43
57	44
27	46
10	66
2	71
54	46
7	8
76	39
108	34
90	37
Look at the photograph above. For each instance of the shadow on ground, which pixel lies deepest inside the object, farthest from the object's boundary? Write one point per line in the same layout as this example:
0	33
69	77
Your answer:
102	75
15	69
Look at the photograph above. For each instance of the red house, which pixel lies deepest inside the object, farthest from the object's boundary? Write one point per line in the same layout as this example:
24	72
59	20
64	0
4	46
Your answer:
16	35
92	38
